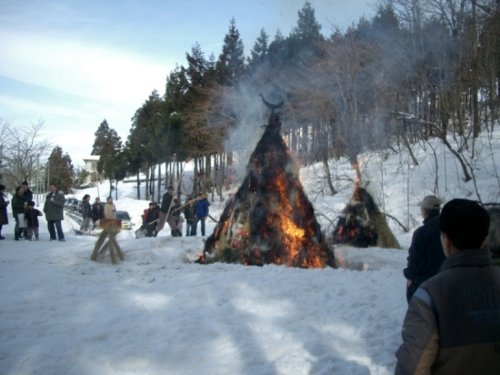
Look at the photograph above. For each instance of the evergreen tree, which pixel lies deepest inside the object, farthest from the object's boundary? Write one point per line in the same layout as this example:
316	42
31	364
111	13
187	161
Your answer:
104	136
308	29
259	50
197	66
60	170
304	41
231	63
107	145
177	87
278	49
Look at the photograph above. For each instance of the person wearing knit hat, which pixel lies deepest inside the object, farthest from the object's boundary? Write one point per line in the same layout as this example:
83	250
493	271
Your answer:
464	223
452	325
425	254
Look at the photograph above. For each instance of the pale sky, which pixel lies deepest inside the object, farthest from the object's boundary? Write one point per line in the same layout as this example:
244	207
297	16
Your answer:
72	64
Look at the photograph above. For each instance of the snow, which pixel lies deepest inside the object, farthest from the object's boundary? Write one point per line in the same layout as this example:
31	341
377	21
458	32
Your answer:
157	312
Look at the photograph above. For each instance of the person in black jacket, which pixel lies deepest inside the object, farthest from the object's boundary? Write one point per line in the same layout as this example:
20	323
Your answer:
151	217
190	216
86	211
165	208
18	206
28	194
425	254
31	216
97	212
28	197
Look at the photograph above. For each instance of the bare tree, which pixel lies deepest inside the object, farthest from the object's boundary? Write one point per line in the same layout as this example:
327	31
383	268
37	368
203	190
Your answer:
21	152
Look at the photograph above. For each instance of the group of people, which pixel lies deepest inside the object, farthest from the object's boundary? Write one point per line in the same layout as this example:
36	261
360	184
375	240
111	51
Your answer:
93	213
23	210
452	325
26	215
171	211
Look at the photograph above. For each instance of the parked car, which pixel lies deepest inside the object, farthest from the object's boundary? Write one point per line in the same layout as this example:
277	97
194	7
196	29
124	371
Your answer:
125	219
72	205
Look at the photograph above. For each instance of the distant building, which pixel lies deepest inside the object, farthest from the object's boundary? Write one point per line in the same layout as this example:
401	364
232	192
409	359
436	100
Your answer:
90	165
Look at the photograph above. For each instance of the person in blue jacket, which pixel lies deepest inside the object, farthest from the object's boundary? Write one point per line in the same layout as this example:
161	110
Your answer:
201	211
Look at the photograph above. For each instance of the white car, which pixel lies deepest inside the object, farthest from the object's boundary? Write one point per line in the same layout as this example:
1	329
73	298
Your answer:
125	219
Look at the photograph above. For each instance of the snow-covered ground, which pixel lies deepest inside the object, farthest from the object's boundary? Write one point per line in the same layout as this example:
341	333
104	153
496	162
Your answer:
157	312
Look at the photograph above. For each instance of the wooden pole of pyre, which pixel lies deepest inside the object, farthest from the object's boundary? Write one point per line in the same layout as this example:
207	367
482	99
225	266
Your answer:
110	228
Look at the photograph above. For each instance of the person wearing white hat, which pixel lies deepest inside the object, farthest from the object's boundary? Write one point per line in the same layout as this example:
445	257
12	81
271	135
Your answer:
425	254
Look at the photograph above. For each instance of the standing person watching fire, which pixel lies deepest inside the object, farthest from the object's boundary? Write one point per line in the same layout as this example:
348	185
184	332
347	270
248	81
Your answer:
97	212
53	209
165	208
18	206
452	324
190	216
86	210
201	210
425	254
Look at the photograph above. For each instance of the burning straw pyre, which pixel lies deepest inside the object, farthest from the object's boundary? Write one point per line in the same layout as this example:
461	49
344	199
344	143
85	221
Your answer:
270	219
361	223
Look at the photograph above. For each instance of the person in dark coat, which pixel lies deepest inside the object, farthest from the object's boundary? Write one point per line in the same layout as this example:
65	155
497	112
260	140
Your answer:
53	208
201	210
97	211
31	216
151	217
165	208
425	254
28	194
175	218
452	323
4	219
18	206
28	197
86	211
190	216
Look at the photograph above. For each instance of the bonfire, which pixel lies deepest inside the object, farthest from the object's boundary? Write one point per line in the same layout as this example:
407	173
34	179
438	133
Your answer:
361	223
269	219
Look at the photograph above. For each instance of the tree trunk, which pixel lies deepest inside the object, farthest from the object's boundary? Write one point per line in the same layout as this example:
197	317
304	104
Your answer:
196	176
158	190
467	176
476	126
152	184
328	176
146	183
207	176
138	184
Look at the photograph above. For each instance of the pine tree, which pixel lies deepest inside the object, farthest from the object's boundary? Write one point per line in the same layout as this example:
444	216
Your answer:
197	66
231	63
260	50
60	170
103	137
107	145
308	29
177	87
